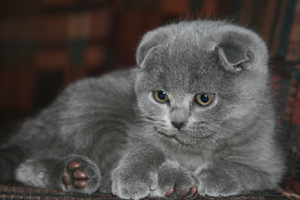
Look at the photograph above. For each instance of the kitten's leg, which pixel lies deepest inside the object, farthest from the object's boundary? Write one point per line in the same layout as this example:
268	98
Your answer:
72	173
175	181
219	179
229	178
144	171
10	158
136	173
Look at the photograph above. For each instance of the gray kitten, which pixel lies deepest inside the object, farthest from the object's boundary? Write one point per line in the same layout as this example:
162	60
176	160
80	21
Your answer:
195	116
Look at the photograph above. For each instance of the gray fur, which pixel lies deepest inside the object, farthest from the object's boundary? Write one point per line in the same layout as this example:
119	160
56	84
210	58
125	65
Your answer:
125	138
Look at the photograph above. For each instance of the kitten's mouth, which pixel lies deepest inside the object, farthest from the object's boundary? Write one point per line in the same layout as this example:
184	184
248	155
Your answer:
180	136
184	133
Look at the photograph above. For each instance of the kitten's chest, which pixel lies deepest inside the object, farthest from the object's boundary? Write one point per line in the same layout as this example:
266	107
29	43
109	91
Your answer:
188	160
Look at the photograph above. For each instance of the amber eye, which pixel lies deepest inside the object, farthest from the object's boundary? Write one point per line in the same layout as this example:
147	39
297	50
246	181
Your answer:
161	96
204	99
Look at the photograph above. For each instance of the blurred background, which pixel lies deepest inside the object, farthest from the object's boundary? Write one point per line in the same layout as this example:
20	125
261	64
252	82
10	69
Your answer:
46	44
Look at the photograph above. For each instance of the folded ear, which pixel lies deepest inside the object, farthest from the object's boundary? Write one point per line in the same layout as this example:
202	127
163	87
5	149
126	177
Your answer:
150	40
241	50
234	57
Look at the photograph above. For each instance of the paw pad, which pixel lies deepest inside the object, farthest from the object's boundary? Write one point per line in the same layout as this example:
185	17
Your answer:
75	175
188	193
170	192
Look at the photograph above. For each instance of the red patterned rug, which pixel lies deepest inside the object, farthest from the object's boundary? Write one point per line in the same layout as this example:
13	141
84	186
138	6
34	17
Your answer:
18	191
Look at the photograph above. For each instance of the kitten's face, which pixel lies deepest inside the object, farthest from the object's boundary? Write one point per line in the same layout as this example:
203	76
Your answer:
188	97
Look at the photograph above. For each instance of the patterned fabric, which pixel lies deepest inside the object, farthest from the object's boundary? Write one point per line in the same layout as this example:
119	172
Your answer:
286	85
46	44
17	191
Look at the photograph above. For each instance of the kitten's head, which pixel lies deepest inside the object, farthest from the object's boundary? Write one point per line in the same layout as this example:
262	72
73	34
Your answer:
201	80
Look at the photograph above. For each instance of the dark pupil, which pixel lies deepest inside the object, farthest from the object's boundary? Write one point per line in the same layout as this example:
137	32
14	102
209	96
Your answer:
161	95
204	98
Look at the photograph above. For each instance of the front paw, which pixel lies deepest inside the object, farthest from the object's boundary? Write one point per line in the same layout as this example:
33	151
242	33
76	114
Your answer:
175	181
218	182
131	183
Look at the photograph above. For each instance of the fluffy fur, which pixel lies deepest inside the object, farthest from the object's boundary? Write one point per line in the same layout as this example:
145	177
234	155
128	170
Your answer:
125	140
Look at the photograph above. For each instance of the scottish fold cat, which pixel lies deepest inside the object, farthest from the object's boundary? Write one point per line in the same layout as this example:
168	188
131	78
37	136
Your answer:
194	117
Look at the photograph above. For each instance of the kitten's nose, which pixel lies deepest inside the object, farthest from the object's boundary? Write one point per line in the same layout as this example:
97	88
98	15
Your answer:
178	125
